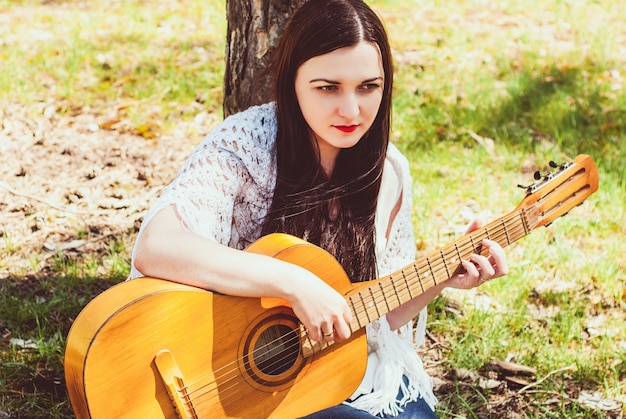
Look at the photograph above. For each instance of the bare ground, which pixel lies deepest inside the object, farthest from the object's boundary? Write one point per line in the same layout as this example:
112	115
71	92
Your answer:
71	182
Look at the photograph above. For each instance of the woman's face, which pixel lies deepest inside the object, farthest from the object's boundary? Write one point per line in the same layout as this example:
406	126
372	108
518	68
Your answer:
339	94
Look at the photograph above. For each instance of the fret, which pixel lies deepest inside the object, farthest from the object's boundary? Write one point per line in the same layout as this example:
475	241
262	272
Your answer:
309	346
506	233
458	253
522	215
384	296
371	308
445	264
521	229
521	222
430	267
453	258
425	275
374	302
356	313
448	253
487	232
408	287
475	249
365	308
395	290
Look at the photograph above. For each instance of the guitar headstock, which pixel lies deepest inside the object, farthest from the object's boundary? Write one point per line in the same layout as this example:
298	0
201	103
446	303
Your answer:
555	194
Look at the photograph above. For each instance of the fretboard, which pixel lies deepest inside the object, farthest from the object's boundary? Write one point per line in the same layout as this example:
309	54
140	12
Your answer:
375	298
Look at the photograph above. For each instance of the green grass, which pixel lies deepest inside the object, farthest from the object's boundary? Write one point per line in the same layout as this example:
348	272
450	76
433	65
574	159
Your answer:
485	94
552	74
35	316
152	62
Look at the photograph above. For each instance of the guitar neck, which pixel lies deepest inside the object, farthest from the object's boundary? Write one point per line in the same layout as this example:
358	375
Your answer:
373	299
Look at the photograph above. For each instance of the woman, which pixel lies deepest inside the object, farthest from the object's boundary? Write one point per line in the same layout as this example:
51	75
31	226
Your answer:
317	164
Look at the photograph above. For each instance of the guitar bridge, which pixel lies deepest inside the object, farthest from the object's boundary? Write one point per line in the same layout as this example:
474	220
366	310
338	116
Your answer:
173	379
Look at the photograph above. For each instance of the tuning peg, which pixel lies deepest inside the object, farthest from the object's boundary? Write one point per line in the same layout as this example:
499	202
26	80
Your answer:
553	164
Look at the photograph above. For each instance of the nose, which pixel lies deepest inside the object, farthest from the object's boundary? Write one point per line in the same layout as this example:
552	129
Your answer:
349	106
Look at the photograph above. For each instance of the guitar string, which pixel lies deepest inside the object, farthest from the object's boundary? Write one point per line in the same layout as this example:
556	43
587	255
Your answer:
497	233
511	233
439	269
511	236
434	268
231	390
227	393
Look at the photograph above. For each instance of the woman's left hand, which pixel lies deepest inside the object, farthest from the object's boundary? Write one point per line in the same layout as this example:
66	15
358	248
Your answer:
480	269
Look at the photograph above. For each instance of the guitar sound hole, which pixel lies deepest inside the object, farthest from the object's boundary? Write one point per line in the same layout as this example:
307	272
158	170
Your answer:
276	350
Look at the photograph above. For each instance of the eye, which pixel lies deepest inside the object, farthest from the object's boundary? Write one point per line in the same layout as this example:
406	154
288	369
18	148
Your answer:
368	87
328	88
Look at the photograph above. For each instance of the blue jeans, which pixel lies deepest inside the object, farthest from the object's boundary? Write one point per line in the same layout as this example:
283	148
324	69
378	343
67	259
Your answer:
418	409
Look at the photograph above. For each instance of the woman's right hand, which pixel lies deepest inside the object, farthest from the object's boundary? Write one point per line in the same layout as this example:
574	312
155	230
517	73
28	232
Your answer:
322	310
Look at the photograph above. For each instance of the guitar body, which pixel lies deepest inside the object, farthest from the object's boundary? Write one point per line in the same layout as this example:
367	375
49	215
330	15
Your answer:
146	348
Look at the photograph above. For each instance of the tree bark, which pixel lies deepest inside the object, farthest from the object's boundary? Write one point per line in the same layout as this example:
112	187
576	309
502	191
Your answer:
254	28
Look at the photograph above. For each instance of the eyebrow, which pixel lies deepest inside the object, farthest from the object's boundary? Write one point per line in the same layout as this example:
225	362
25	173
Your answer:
336	82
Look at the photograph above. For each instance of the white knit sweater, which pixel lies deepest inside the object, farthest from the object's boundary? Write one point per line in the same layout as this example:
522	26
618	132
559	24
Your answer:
223	192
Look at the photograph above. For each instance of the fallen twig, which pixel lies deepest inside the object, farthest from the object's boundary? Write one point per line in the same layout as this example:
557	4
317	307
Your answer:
134	209
526	389
6	186
551	373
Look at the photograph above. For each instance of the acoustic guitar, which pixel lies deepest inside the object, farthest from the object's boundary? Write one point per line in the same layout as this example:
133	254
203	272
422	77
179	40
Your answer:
150	348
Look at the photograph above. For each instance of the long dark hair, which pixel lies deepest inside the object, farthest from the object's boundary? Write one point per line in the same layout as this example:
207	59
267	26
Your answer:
304	194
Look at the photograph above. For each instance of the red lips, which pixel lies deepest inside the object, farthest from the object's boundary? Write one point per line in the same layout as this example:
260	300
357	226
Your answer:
346	128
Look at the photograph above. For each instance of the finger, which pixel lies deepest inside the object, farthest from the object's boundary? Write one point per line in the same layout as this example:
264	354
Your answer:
327	331
347	315
317	332
342	331
497	258
312	334
321	336
471	270
328	336
476	224
485	268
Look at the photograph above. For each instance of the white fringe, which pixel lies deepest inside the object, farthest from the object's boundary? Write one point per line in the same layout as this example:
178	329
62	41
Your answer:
392	355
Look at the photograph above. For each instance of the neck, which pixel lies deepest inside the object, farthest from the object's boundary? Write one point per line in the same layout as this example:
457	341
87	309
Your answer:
328	167
328	156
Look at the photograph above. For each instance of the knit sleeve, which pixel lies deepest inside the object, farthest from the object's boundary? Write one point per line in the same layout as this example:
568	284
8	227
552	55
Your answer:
221	191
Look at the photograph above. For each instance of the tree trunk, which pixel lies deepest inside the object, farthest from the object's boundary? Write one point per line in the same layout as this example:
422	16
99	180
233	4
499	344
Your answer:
254	28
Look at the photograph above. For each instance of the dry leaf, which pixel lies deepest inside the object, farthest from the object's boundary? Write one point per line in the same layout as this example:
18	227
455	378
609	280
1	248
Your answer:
596	400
